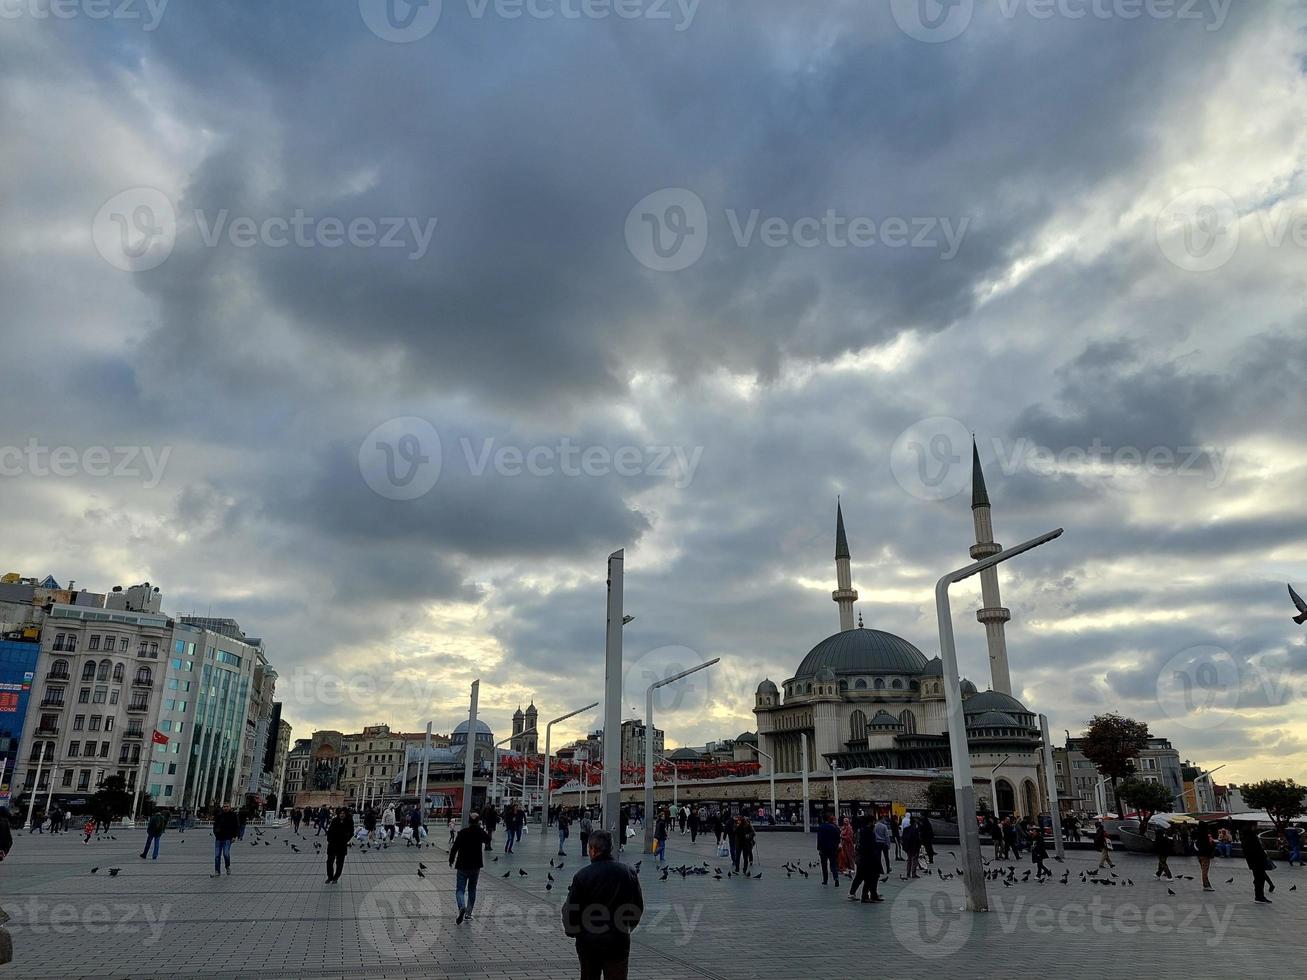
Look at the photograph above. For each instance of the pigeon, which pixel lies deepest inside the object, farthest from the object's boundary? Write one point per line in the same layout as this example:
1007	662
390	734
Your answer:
759	875
113	872
95	869
294	848
547	875
420	874
506	874
551	863
664	877
1302	607
1169	892
560	865
549	888
1229	881
521	872
1293	888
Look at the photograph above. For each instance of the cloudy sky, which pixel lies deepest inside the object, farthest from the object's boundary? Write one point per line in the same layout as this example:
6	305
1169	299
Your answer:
379	330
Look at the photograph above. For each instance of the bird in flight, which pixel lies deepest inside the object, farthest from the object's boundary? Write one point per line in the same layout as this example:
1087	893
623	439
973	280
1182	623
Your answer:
1302	607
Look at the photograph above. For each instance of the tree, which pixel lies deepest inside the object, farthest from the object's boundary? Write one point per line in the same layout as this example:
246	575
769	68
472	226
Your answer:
1147	797
1282	799
1113	743
940	795
112	801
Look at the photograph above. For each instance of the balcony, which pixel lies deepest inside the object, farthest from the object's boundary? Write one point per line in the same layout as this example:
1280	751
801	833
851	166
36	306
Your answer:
62	676
52	702
133	733
142	682
139	706
47	729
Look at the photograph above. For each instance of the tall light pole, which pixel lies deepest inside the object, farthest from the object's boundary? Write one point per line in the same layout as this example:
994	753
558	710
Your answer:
424	772
469	754
676	780
771	776
1050	781
36	786
803	768
612	775
494	764
963	790
649	743
549	785
835	783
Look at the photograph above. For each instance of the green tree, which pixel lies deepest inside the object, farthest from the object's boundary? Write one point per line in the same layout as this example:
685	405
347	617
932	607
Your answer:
1145	796
1282	799
112	801
940	795
1113	743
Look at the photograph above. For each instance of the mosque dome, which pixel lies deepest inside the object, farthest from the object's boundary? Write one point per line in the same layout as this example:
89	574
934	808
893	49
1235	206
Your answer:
767	687
862	651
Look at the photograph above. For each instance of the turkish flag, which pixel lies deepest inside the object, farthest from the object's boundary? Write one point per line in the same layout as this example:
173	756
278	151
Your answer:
159	738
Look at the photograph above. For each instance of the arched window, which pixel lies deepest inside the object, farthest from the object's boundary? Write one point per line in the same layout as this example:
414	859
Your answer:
909	722
88	670
897	684
118	672
59	668
858	726
860	684
880	683
915	685
808	690
103	673
144	675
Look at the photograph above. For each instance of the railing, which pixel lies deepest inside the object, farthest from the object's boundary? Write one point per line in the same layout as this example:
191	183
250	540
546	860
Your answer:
58	675
141	706
47	729
142	682
133	733
52	702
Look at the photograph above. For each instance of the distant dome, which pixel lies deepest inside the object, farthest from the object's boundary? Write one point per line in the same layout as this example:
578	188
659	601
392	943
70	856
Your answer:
993	719
747	737
767	687
684	755
825	675
863	651
518	713
934	668
968	688
995	701
883	719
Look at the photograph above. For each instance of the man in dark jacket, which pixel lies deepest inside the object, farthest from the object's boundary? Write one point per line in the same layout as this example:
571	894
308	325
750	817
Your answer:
868	864
828	847
1255	855
226	825
466	857
603	908
6	835
153	831
927	837
339	833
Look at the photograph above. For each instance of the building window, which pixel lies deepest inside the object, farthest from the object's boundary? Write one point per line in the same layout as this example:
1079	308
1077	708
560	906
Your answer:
144	676
78	722
104	750
118	672
909	722
108	723
113	696
88	671
897	684
102	674
59	670
122	644
95	723
58	641
94	642
101	695
73	748
68	777
880	683
84	779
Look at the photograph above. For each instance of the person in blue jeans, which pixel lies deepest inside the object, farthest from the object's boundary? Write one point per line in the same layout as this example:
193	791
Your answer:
1293	838
466	856
153	831
828	849
226	826
661	829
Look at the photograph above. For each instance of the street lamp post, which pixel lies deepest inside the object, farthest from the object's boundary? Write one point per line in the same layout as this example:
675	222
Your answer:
1050	781
835	785
963	790
469	756
494	764
36	786
649	743
549	786
771	776
612	774
676	779
803	768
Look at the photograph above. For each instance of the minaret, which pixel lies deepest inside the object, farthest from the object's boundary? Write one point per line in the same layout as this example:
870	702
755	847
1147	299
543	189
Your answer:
845	595
992	614
516	744
531	740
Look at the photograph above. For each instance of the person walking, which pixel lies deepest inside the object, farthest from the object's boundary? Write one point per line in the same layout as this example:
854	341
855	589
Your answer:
585	826
296	815
467	858
1206	845
603	907
1255	855
154	829
564	831
681	817
510	827
241	819
661	830
828	848
339	833
88	829
490	820
226	825
370	821
716	824
453	828
912	844
927	838
995	835
1293	843
747	838
693	822
388	823
6	834
1103	846
848	855
868	864
896	831
883	839
1162	848
1010	851
1038	854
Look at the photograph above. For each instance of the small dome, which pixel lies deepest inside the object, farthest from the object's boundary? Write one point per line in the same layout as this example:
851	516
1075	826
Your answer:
767	687
968	688
993	719
883	719
933	668
995	701
518	713
684	755
749	737
825	676
482	728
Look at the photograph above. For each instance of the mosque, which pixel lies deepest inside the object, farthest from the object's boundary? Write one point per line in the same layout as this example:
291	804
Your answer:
867	699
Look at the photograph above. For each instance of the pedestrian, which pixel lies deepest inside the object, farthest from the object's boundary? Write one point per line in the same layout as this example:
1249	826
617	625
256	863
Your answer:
88	829
661	830
1010	851
1255	855
388	823
927	837
603	907
226	825
848	856
1038	854
995	835
490	820
296	815
748	838
1162	848
240	824
681	818
896	831
1206	845
339	833
415	825
694	824
370	821
1102	845
6	835
585	826
154	829
1293	843
731	832
453	828
912	844
467	858
828	848
564	831
883	840
716	824
510	827
868	864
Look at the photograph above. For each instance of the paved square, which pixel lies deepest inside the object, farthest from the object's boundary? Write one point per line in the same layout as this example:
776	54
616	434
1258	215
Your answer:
274	916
